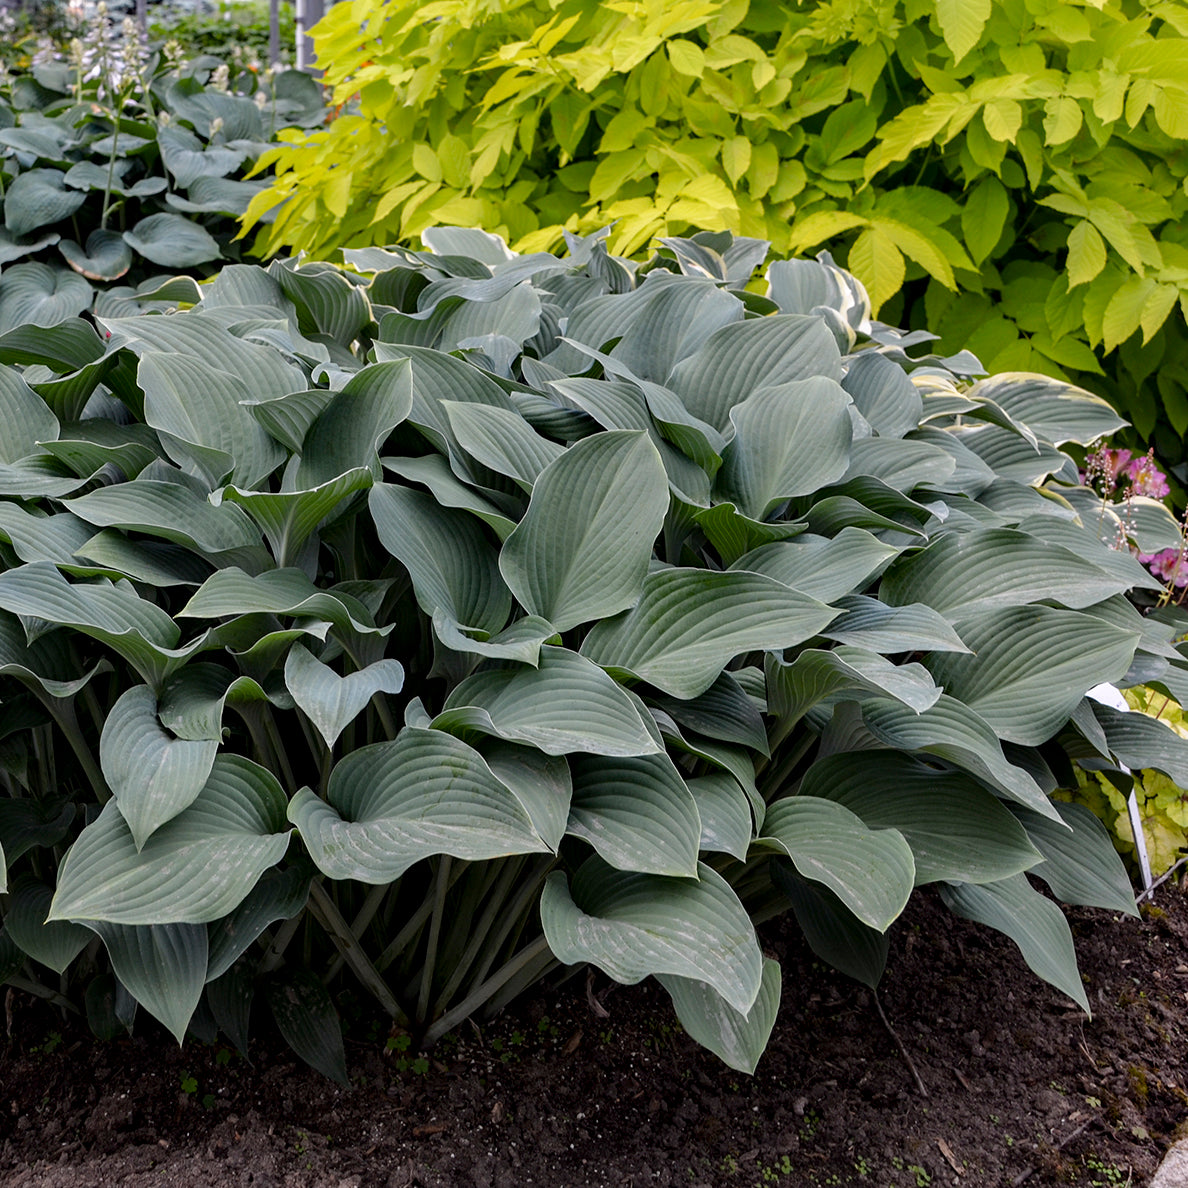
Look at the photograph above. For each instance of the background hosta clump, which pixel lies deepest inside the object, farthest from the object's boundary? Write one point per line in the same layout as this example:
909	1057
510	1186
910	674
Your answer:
472	613
1010	176
90	199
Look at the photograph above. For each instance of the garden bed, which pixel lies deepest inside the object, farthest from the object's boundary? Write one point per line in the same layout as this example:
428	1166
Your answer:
556	1094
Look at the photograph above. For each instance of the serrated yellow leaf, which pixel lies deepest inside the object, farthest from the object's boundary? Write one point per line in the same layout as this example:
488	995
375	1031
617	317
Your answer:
454	156
1109	98
686	57
1002	118
425	162
916	245
1062	120
1123	314
878	264
1171	112
984	216
1086	254
962	22
337	193
764	168
761	74
1155	309
736	158
822	225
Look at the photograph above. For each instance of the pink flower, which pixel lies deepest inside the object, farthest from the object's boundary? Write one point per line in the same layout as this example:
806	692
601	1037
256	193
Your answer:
1171	566
1146	478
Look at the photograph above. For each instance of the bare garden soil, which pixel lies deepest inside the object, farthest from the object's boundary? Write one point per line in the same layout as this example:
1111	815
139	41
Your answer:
594	1085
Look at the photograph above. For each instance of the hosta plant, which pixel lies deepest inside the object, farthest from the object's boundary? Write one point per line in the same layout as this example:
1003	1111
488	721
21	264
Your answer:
116	167
467	615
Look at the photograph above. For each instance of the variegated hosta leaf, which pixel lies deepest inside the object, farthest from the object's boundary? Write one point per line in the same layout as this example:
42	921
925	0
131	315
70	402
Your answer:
632	925
1031	920
153	776
565	705
1031	666
736	1037
871	870
956	829
636	812
791	439
391	804
689	623
163	967
581	552
197	867
331	701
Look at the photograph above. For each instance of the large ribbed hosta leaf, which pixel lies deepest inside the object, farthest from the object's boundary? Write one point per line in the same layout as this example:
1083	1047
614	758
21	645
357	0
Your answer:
197	867
956	829
1031	920
24	418
871	870
391	804
633	925
690	622
502	440
1054	409
1030	667
331	701
581	551
877	627
822	568
566	705
736	1037
153	776
54	943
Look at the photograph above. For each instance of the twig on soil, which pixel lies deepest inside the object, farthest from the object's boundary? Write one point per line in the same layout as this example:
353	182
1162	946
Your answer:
1027	1173
1150	894
907	1059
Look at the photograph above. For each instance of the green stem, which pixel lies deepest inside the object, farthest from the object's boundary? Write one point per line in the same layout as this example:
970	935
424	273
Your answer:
523	903
371	905
276	951
481	994
440	886
786	766
36	988
66	719
278	747
115	141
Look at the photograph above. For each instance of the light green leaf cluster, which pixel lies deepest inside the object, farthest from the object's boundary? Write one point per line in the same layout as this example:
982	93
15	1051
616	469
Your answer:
493	611
1011	177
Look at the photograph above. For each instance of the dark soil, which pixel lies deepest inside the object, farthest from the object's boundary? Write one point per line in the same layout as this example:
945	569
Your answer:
1021	1088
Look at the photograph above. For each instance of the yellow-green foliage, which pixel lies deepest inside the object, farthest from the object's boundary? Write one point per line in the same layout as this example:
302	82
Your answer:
1029	156
1163	805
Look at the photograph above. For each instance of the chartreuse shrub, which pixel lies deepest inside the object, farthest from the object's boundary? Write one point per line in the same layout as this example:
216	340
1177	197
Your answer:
474	614
116	166
1009	175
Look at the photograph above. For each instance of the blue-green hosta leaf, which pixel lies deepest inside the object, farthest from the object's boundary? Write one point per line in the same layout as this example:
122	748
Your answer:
1031	920
434	472
725	814
502	440
305	1015
55	943
197	409
835	513
964	573
1031	666
288	418
197	867
742	357
37	197
1013	457
1141	742
41	295
15	247
833	932
734	534
581	552
348	433
331	701
25	419
289	592
520	640
1051	408
327	301
192	701
723	711
823	568
903	465
152	775
883	394
816	675
566	705
636	812
1080	863
1082	540
952	731
105	258
737	761
877	627
790	439
391	804
171	512
289	518
151	561
114	614
26	824
689	623
872	871
956	829
632	925
173	241
542	784
735	1037
216	195
279	895
46	663
64	347
187	159
454	569
163	967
